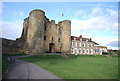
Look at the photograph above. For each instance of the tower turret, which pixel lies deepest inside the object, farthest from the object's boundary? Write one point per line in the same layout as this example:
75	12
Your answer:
35	37
66	36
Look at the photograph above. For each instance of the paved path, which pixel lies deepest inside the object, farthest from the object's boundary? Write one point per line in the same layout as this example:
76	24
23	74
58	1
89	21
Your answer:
26	70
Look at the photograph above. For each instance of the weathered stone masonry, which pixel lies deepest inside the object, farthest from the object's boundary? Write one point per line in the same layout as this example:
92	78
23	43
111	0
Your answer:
41	35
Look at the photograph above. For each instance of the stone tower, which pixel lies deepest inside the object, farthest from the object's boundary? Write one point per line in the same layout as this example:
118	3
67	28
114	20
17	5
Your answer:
41	35
66	36
35	37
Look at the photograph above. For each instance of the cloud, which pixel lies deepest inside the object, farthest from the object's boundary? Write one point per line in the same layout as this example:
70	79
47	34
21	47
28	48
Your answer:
114	43
99	18
11	30
97	11
79	13
112	12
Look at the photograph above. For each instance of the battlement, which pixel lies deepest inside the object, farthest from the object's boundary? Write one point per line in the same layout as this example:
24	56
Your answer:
37	11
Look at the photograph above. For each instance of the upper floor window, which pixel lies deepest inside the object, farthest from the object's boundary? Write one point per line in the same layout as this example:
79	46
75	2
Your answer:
83	44
87	45
76	44
91	45
79	44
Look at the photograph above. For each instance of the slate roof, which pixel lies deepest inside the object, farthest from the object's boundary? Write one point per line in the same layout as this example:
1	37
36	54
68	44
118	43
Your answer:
83	39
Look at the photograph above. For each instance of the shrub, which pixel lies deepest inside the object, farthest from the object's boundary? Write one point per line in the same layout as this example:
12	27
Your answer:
104	53
5	64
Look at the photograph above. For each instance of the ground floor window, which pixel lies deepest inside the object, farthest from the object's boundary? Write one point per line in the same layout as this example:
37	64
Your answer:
87	51
91	51
80	50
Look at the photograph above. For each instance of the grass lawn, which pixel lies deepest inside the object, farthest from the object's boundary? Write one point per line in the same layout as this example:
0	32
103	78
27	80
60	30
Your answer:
78	67
5	64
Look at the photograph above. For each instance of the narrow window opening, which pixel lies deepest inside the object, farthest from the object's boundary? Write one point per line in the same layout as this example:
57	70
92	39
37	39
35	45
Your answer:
59	40
59	30
52	39
45	27
60	47
44	37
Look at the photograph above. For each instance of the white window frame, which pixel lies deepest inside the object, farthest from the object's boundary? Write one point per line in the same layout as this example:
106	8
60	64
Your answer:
84	51
91	45
80	39
87	51
91	51
84	45
80	44
76	44
80	50
74	38
87	44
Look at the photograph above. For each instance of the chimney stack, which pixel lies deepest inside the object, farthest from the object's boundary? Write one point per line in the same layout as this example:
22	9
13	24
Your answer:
80	36
90	39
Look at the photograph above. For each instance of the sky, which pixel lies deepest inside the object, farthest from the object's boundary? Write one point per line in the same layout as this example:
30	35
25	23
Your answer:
96	20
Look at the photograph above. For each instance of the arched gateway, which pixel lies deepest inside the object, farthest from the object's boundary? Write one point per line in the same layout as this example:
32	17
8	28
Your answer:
52	47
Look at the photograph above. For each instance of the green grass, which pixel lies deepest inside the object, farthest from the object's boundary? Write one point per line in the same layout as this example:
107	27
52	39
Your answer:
5	64
78	67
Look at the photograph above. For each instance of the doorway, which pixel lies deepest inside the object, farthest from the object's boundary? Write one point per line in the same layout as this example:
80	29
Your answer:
51	47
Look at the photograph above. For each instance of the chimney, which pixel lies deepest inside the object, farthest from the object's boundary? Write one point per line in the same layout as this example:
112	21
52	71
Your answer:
80	36
90	39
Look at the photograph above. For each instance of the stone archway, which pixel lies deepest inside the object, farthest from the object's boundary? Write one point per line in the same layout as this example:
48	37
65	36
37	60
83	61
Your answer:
52	47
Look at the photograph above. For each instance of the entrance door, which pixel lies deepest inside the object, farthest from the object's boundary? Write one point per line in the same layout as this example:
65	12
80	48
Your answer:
51	47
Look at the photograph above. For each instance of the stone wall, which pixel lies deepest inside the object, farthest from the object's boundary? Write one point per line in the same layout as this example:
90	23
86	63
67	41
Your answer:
9	46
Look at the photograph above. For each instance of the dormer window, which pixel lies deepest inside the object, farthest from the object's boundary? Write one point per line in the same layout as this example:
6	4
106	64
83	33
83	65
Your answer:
74	38
81	39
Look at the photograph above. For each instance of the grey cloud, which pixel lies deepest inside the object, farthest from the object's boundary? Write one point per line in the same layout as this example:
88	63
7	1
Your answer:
114	44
